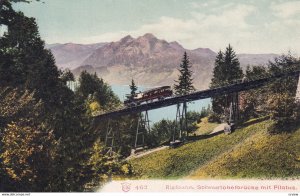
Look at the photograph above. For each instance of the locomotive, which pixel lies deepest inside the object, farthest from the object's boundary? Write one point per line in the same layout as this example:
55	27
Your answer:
159	93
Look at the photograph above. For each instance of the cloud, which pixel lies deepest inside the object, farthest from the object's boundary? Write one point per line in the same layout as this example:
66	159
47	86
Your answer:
286	9
217	29
211	4
197	5
199	30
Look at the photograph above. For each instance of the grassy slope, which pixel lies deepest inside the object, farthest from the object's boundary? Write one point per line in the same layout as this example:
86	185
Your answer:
260	156
248	152
204	127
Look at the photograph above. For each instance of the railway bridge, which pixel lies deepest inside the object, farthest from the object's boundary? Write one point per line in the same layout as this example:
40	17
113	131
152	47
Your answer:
181	102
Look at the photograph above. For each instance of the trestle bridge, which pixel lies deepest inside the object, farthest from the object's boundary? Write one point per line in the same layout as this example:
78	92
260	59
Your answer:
143	126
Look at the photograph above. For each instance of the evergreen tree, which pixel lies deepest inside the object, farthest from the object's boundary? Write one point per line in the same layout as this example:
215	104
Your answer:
185	82
94	87
24	60
133	88
57	138
252	102
227	69
281	103
233	71
218	77
162	131
66	76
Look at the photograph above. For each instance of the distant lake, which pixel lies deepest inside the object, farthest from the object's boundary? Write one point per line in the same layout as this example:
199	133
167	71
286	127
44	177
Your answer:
162	113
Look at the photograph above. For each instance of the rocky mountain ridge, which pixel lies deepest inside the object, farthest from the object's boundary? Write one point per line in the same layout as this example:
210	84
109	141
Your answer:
148	60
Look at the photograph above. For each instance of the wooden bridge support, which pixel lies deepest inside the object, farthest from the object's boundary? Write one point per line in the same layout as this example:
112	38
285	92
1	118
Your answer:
111	139
142	129
181	120
298	90
234	108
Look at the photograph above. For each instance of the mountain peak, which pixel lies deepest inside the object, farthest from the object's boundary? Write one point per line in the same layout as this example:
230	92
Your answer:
175	45
149	36
126	38
205	50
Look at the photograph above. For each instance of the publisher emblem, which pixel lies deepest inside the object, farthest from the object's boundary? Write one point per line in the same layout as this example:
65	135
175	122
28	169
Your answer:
126	186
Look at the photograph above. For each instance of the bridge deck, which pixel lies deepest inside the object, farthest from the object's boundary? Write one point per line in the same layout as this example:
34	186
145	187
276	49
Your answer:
194	96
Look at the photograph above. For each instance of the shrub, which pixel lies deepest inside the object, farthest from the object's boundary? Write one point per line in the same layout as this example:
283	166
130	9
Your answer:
213	117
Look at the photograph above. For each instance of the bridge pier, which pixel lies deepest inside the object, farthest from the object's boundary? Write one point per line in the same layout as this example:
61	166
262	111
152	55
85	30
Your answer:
231	89
111	138
298	90
181	120
233	108
142	129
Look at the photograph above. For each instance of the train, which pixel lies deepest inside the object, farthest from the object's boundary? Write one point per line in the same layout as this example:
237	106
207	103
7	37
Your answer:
159	93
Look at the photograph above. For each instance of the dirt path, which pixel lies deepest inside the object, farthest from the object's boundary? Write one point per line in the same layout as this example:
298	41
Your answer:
146	152
218	128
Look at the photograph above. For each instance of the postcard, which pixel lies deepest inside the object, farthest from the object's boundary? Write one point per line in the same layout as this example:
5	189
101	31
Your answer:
141	96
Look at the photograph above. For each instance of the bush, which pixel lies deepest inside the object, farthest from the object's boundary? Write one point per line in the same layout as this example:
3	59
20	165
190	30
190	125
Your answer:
283	124
205	112
193	116
162	131
213	117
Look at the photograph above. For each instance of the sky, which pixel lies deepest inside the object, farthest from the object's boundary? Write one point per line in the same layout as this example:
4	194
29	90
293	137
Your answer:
250	26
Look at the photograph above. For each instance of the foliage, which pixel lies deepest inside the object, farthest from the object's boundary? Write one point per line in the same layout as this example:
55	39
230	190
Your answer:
277	99
281	103
162	131
133	88
205	127
205	111
28	147
93	86
127	126
98	97
24	61
194	116
94	106
227	70
105	168
37	155
192	119
66	75
185	82
28	153
214	118
253	102
41	115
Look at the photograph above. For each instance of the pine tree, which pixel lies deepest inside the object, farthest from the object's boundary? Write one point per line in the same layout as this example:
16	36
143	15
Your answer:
26	64
218	76
232	64
24	60
93	86
227	69
66	76
133	88
252	102
281	103
185	82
